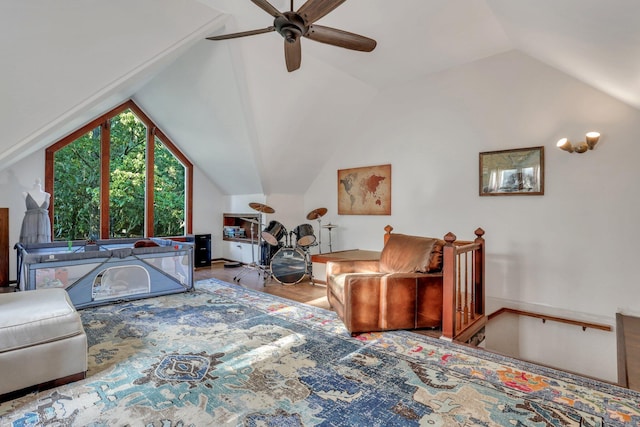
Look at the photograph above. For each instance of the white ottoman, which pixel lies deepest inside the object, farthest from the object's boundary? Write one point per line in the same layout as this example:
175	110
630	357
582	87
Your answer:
42	341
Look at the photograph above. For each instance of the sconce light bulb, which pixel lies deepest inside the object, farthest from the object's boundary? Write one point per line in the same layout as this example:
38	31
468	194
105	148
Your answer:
592	139
565	145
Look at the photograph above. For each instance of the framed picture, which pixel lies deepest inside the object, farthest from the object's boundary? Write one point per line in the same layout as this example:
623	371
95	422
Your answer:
518	172
365	191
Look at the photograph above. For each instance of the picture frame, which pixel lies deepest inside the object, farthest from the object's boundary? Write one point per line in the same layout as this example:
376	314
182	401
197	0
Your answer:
515	172
365	190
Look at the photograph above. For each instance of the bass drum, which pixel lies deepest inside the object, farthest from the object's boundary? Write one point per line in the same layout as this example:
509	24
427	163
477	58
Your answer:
304	235
267	252
288	266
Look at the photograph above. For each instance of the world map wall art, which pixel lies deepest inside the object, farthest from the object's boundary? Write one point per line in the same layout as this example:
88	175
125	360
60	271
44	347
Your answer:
365	190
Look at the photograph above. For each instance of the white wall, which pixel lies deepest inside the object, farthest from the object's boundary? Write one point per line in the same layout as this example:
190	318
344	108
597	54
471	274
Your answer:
591	351
289	211
573	248
208	208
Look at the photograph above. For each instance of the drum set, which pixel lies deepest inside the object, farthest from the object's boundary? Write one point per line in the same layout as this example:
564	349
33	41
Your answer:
287	254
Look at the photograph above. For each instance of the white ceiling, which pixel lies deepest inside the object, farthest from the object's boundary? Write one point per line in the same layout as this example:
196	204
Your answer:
251	126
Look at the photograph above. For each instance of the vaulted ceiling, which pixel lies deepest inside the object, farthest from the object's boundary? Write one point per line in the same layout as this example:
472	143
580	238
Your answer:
232	107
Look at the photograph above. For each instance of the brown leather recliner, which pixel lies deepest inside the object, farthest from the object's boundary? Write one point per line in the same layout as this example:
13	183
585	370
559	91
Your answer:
402	290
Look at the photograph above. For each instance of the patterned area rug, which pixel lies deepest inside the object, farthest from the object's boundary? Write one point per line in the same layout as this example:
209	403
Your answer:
225	355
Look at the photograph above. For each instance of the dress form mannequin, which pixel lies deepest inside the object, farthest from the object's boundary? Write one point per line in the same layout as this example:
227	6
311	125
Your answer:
36	227
37	193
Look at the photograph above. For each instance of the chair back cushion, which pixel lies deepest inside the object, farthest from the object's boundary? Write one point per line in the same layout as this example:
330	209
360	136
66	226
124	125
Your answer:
410	254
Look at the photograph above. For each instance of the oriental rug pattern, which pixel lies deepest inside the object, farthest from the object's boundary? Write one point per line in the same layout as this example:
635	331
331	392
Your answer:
225	355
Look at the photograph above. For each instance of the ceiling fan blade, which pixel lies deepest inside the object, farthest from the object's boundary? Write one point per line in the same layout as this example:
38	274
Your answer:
313	10
293	54
340	38
242	34
267	7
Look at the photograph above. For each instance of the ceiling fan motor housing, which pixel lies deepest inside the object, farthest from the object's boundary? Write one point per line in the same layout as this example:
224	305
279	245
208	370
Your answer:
290	26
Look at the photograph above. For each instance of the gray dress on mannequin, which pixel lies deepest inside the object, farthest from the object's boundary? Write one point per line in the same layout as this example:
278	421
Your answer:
36	227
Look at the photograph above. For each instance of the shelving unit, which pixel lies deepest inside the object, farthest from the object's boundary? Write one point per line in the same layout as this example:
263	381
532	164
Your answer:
239	247
243	223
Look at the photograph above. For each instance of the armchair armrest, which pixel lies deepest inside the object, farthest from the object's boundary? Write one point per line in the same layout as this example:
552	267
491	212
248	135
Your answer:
400	276
335	268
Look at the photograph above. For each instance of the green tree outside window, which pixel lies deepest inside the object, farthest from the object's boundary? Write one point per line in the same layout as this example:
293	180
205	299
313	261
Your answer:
76	183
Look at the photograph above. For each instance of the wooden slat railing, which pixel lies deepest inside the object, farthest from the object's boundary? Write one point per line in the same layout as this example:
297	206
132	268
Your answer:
463	314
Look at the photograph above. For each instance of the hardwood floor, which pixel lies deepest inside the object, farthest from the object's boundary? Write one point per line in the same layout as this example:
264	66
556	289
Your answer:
303	291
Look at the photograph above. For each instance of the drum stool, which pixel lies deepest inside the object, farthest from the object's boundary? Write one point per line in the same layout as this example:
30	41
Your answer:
42	341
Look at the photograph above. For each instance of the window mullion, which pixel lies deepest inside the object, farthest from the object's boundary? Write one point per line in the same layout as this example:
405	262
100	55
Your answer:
150	177
105	173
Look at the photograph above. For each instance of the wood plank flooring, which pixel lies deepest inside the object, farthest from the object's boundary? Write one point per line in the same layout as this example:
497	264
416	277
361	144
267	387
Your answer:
303	291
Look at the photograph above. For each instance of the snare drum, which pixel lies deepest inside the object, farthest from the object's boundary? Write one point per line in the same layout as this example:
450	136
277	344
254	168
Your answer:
288	266
274	233
304	235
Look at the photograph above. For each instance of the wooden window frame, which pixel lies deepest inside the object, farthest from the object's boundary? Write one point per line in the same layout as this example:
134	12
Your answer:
153	132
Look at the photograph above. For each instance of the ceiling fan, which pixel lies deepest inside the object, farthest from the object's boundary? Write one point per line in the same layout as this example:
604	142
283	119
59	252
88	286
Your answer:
293	25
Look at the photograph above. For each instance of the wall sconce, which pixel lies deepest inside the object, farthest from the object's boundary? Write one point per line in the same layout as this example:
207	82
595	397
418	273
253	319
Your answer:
590	142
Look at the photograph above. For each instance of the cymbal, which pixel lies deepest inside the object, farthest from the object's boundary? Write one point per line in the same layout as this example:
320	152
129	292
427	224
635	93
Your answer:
329	226
317	213
261	208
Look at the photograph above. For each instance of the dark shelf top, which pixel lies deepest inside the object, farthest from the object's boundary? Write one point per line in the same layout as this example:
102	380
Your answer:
241	240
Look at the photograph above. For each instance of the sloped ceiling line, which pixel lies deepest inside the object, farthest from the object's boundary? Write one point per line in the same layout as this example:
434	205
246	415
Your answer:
103	98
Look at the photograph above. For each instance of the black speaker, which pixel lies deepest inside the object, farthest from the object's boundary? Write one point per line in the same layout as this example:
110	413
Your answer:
202	253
